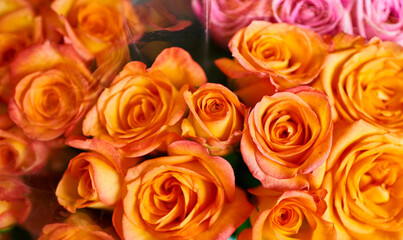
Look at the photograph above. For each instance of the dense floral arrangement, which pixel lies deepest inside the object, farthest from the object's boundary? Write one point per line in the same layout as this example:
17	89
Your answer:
116	124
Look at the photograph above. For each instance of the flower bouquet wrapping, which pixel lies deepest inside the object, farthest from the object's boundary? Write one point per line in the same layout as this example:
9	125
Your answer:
201	119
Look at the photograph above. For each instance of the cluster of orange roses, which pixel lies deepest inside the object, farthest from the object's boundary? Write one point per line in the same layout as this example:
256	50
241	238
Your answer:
317	120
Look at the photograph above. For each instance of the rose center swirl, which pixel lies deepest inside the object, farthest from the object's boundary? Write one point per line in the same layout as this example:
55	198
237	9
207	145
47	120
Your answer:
173	199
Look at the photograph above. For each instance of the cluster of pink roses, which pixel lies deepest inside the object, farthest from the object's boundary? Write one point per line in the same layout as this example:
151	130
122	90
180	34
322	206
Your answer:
382	18
318	121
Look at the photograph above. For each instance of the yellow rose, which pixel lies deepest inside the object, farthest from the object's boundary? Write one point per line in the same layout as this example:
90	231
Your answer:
216	118
288	139
51	91
92	179
287	216
365	81
365	183
186	195
289	55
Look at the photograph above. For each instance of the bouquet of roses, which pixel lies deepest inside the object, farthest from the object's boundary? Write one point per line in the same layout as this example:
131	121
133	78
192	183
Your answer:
114	123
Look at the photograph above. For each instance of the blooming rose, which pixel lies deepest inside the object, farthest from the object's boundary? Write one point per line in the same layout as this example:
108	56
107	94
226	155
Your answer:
228	16
365	183
293	215
77	226
95	26
216	118
381	18
14	204
92	179
142	109
186	195
51	91
365	81
321	16
288	139
288	54
19	155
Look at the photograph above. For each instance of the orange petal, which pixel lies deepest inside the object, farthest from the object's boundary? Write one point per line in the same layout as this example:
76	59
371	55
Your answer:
232	215
179	67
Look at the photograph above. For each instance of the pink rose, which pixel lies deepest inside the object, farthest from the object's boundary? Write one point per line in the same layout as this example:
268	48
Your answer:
382	18
227	17
321	16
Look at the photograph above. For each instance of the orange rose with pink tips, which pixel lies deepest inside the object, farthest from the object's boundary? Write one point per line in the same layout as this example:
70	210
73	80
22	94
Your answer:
188	194
92	179
142	109
51	93
94	27
216	118
20	155
288	139
289	215
288	55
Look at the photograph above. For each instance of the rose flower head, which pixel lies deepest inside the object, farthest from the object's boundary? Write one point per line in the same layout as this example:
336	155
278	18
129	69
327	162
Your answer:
287	54
378	18
77	226
19	154
365	81
288	139
287	216
186	195
92	179
364	179
228	16
142	109
321	16
14	204
96	26
216	118
51	92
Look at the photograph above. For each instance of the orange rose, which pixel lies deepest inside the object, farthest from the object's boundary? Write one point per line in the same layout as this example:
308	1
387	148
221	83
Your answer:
95	26
15	206
92	179
186	195
99	30
216	118
288	54
365	183
365	81
77	226
288	139
142	109
19	155
51	91
293	215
